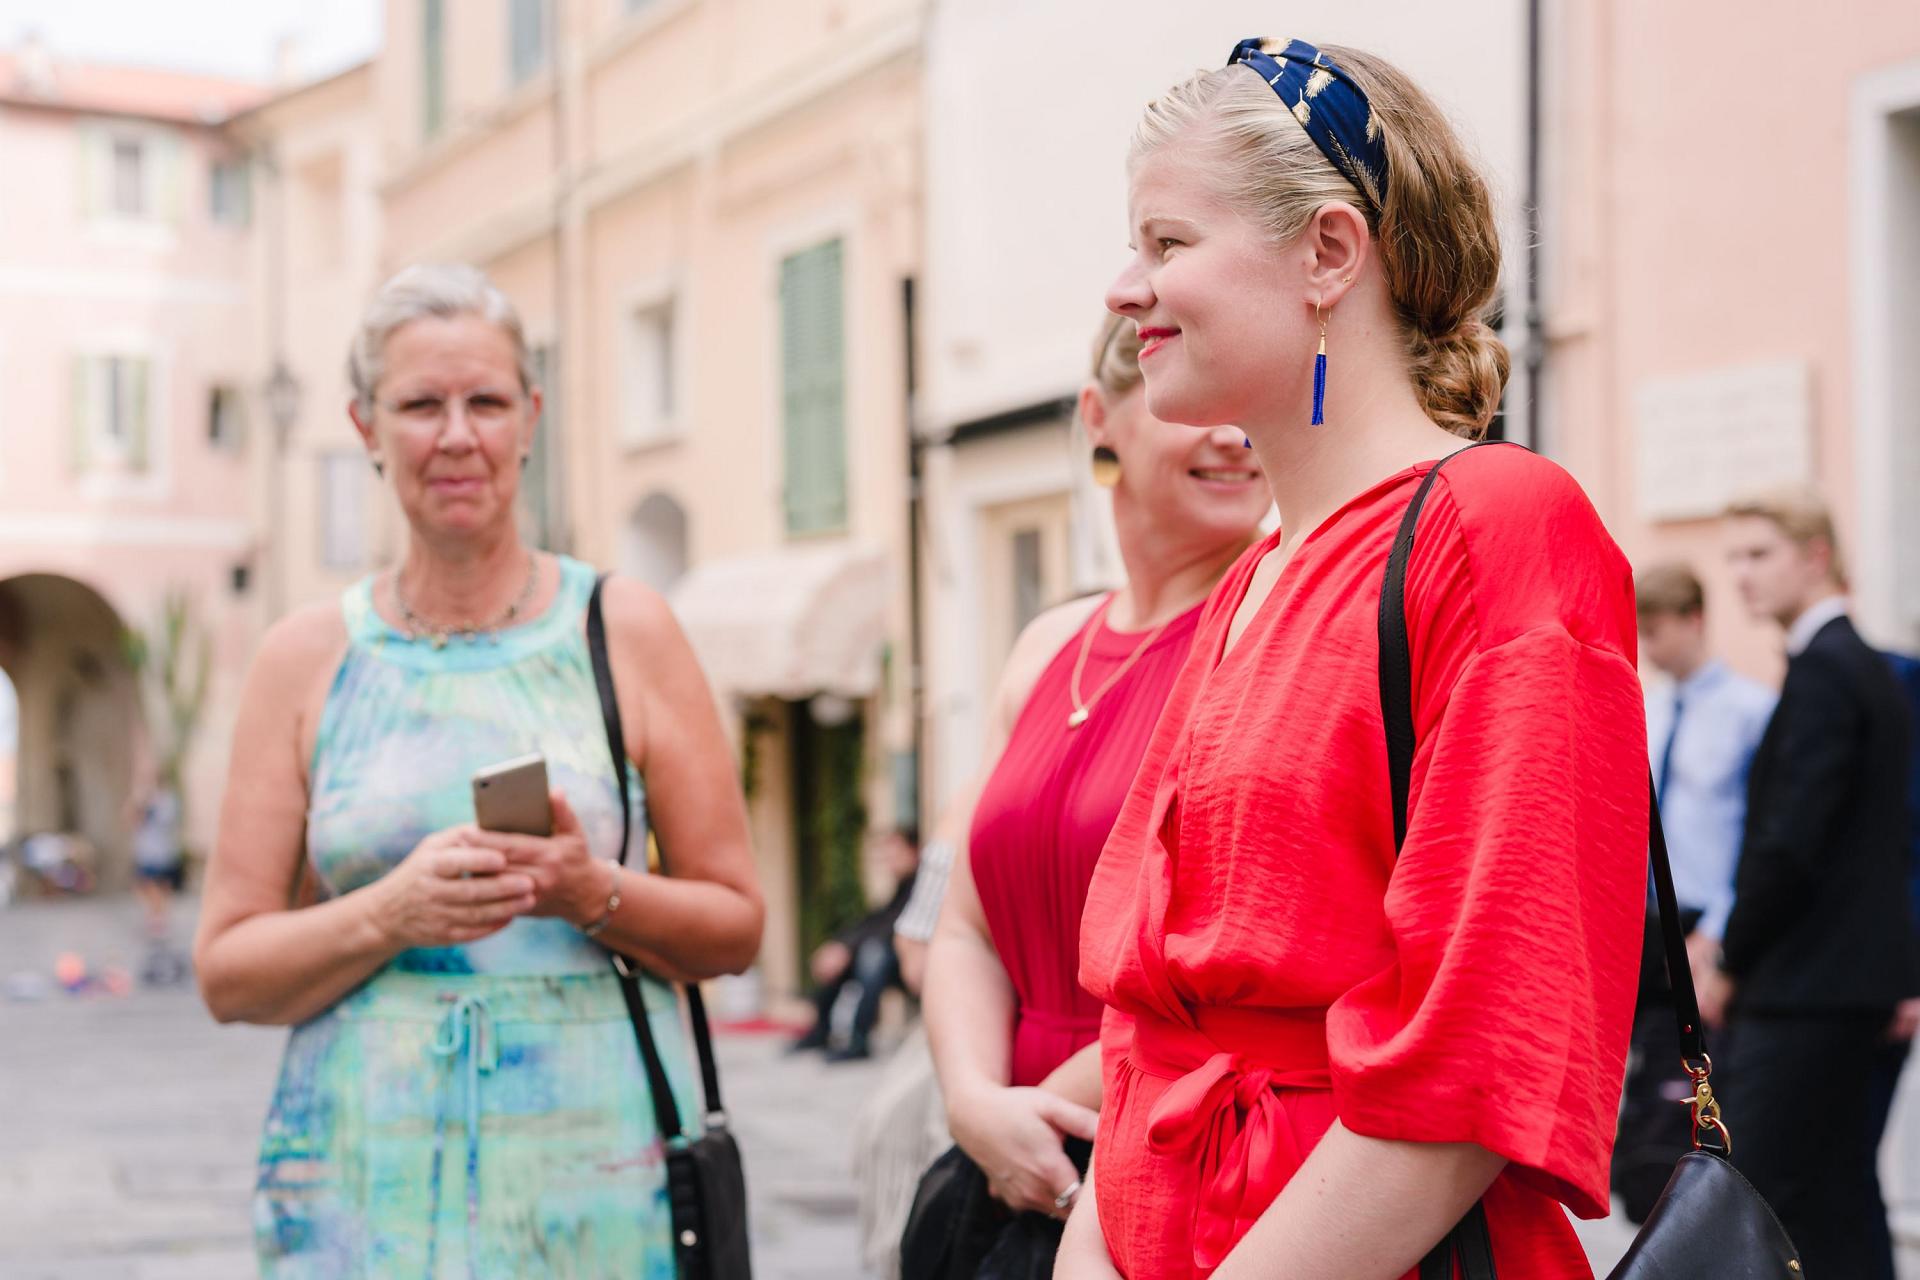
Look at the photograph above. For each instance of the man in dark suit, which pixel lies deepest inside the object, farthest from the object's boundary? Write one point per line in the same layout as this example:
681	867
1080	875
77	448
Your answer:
1819	958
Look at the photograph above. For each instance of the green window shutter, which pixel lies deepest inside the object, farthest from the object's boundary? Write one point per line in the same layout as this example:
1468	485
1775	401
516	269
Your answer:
813	388
138	416
80	421
433	66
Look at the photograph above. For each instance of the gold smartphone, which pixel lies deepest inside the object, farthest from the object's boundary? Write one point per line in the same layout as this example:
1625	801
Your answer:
512	797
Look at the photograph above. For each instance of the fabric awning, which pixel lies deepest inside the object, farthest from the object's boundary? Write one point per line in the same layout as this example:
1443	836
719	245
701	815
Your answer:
788	623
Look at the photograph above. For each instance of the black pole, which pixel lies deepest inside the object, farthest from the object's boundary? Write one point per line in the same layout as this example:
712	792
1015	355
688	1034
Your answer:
1536	319
916	510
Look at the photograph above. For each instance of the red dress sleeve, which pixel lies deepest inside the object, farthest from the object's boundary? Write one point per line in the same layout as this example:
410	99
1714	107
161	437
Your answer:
1503	1015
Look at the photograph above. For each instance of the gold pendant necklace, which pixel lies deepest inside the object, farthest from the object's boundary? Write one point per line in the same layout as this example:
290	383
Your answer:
416	626
1082	710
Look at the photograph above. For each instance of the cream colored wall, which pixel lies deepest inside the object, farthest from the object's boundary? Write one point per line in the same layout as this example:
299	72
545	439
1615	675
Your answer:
965	575
324	182
1671	259
1030	108
715	235
1028	115
174	290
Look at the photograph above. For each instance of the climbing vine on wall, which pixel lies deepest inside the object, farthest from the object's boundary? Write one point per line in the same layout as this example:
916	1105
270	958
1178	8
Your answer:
831	820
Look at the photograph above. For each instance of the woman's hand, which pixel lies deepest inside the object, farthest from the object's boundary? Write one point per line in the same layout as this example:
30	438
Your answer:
1016	1136
449	890
568	881
1083	1248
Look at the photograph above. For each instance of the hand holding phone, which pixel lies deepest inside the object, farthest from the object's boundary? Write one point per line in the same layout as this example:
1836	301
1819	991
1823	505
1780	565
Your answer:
511	797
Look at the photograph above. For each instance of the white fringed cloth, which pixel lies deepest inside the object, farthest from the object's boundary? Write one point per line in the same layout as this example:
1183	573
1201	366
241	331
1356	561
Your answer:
900	1131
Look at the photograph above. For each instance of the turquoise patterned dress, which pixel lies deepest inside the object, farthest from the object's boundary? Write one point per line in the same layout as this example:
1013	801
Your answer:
474	1110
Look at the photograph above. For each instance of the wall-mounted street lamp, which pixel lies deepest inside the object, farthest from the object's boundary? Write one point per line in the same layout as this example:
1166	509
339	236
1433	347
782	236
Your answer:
282	394
283	402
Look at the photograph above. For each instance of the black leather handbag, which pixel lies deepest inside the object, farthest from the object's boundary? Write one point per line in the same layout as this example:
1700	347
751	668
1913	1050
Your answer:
956	1230
1709	1222
706	1183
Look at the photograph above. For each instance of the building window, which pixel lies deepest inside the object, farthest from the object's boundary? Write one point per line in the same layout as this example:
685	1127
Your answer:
228	197
654	548
433	66
127	179
343	510
526	38
813	389
123	383
651	389
1029	580
223	418
111	413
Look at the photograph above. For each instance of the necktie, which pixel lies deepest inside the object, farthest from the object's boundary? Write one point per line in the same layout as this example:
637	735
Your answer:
1666	755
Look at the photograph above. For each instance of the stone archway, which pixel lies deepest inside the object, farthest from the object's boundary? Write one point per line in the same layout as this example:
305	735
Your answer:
653	546
79	721
9	755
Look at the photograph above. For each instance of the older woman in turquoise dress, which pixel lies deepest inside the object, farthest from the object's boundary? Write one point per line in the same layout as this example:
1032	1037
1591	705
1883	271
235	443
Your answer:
462	1094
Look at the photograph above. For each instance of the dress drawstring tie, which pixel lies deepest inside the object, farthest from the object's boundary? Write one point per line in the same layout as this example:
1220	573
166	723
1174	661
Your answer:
468	1025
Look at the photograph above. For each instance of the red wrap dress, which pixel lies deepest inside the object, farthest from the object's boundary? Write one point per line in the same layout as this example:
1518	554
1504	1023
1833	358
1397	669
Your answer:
1270	966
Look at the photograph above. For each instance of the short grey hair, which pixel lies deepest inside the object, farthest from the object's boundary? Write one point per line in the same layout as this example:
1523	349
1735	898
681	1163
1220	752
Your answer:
440	290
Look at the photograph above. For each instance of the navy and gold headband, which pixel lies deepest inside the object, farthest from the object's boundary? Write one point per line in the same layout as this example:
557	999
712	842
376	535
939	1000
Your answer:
1328	104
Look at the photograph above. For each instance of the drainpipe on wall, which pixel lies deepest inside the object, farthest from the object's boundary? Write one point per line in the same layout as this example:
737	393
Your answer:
561	517
916	511
281	391
1536	318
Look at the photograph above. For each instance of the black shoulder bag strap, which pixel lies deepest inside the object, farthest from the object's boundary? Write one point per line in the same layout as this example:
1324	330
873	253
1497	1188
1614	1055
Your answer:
1469	1240
666	1112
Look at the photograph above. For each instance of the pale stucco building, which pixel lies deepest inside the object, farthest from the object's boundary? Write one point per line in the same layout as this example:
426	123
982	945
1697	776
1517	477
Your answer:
1733	285
1029	111
128	426
314	258
709	216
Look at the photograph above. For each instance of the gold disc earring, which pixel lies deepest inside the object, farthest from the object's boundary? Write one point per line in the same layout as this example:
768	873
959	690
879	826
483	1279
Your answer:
1106	467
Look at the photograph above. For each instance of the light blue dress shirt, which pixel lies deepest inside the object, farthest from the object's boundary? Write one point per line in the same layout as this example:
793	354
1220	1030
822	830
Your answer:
1703	803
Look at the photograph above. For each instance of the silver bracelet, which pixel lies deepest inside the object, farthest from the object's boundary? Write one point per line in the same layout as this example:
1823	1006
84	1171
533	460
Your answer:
613	905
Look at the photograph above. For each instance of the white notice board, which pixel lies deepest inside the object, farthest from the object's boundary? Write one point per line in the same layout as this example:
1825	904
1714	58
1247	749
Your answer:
1705	439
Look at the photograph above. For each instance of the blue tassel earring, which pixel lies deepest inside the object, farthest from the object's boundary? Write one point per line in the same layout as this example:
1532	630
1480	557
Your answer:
1320	371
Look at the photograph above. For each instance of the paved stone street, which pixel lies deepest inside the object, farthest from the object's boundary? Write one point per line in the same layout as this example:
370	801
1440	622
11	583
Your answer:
128	1126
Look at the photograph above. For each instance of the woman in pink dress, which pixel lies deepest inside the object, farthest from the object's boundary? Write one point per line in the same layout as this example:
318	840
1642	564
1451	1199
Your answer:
1082	690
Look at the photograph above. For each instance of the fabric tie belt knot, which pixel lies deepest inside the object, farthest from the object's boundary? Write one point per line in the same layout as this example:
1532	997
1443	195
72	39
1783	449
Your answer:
1226	1117
469	1026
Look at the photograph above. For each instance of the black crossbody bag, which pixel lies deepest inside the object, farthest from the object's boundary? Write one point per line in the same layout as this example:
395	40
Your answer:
1709	1222
706	1184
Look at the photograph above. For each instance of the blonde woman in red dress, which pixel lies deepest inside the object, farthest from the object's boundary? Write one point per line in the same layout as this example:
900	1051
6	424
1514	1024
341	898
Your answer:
1320	1054
1079	698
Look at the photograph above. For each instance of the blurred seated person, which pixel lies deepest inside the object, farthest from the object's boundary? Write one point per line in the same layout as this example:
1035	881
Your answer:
862	955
